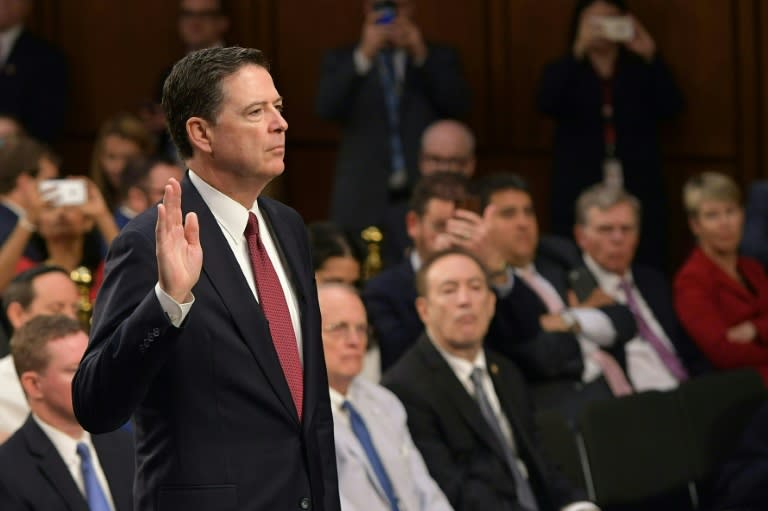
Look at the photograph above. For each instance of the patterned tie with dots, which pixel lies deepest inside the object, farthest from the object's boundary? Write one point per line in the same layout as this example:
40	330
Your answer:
272	300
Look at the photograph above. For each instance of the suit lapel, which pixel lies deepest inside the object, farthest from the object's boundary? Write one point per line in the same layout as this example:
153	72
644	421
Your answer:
52	467
223	273
114	465
446	379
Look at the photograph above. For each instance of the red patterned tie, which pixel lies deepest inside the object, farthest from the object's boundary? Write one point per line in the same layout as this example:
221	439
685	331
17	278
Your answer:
275	309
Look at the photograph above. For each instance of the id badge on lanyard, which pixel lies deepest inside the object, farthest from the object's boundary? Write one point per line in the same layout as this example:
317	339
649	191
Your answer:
613	171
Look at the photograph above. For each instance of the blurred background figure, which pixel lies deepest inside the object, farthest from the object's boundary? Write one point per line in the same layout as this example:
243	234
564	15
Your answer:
34	86
9	127
142	184
384	90
120	139
607	97
720	296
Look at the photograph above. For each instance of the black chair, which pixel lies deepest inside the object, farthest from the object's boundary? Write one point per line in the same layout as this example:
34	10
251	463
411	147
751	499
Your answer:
637	453
558	441
717	408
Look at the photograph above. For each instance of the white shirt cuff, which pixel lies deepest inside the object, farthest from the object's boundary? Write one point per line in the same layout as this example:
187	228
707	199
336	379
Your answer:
176	311
595	325
362	63
581	506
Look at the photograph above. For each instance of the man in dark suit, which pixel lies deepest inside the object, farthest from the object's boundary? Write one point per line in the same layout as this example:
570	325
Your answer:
608	230
384	91
33	75
50	463
219	359
468	410
562	344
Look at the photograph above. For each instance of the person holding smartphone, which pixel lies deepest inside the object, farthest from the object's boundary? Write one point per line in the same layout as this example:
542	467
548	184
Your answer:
607	96
365	87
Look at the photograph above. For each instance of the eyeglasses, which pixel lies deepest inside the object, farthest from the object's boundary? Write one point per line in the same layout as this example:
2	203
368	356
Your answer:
343	330
454	161
203	14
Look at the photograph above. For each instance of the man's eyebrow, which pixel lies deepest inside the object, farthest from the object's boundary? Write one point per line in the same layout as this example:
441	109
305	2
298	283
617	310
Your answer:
262	103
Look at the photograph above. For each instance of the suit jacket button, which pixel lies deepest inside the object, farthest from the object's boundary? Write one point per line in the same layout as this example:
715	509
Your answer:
305	503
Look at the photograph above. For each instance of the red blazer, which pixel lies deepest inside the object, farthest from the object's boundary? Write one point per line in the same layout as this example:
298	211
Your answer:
708	302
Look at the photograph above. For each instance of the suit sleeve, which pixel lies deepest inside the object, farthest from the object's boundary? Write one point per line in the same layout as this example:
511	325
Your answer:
131	338
391	332
696	306
339	82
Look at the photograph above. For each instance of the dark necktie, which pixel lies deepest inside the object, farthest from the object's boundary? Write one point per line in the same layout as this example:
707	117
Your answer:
272	300
364	437
523	487
94	493
391	86
646	332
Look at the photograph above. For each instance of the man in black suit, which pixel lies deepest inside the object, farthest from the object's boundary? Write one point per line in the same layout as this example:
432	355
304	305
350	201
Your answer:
608	230
562	344
384	91
33	75
468	410
219	359
50	463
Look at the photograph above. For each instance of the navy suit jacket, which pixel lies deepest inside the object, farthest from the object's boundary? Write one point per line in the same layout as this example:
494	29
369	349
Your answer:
34	87
216	427
432	91
457	444
34	477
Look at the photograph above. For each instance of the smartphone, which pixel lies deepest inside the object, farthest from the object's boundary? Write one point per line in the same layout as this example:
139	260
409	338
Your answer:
470	203
616	28
387	11
64	192
582	282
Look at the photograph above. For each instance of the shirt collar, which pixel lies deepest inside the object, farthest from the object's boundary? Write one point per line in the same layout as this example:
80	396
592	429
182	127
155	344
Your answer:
415	260
605	279
338	399
461	366
8	40
64	444
230	214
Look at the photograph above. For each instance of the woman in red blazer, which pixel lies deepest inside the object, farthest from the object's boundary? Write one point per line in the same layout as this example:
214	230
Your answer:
721	297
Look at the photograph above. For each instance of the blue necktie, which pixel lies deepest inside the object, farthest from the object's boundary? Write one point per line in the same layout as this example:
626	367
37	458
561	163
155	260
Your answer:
390	84
94	494
364	437
524	492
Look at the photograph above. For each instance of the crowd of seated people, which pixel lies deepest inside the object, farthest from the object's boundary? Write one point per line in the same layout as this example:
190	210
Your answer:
478	320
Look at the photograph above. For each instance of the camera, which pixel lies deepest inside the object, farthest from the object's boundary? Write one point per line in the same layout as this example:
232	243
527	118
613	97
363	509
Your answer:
616	28
64	192
387	11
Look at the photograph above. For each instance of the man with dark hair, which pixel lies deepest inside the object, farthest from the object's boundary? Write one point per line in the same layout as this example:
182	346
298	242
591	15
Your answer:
42	290
50	463
434	222
384	90
142	183
468	409
218	359
564	345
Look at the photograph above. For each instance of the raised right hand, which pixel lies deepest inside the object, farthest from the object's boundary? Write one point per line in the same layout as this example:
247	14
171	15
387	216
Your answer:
179	254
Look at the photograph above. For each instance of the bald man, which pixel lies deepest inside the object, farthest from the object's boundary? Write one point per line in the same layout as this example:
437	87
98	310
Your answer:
447	145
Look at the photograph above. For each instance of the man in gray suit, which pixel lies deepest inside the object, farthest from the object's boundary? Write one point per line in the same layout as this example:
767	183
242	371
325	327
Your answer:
379	466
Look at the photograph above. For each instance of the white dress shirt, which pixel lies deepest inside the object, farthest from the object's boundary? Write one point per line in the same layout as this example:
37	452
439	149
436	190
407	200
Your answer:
645	368
13	404
67	449
232	218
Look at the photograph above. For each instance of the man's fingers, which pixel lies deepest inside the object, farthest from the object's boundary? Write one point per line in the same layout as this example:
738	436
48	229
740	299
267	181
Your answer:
192	229
160	226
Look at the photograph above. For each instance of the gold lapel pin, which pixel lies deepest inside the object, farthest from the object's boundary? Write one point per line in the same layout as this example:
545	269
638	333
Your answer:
494	369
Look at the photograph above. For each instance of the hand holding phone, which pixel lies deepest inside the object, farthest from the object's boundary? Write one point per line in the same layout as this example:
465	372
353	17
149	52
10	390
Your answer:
64	192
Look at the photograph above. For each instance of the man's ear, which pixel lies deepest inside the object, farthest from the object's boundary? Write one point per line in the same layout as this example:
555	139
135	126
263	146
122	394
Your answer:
421	308
579	236
15	314
412	224
30	383
200	135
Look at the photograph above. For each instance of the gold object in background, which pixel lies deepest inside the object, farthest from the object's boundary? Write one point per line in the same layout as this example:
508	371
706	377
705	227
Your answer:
372	265
84	280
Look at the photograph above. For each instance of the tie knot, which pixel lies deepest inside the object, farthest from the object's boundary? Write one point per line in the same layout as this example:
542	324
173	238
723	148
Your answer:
83	451
477	376
252	227
346	405
625	285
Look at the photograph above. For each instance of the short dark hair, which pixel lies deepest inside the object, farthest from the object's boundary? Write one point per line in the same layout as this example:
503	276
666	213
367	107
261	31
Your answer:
500	181
21	289
136	174
328	240
20	155
450	186
421	275
29	343
193	88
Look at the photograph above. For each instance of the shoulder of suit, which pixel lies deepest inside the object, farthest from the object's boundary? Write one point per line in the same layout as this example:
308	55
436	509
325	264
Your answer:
29	43
398	274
